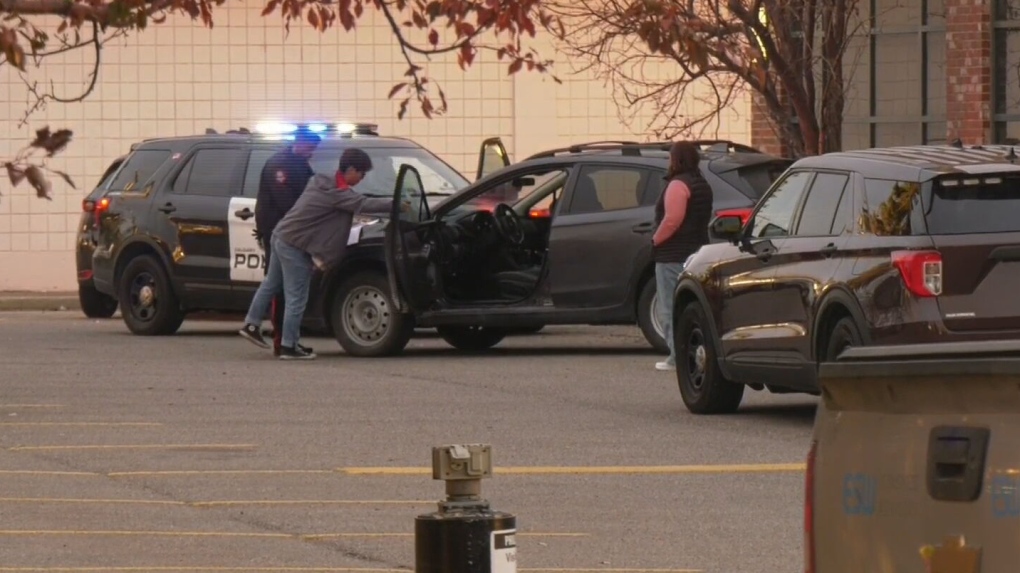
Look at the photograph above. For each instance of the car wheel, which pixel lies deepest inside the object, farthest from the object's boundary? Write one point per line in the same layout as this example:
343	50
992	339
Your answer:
702	386
95	304
648	319
844	335
471	338
147	301
365	320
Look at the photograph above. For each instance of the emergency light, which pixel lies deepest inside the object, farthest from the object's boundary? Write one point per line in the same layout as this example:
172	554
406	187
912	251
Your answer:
285	128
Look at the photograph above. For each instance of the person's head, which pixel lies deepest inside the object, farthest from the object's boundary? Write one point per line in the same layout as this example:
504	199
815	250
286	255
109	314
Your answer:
354	164
305	143
683	158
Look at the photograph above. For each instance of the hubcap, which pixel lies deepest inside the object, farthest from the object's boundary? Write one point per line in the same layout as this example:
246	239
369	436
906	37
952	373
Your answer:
696	358
143	296
366	315
656	323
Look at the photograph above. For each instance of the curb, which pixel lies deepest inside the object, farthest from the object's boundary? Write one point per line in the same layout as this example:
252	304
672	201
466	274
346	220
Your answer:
26	301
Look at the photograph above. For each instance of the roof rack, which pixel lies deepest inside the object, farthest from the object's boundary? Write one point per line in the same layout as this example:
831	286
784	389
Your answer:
634	148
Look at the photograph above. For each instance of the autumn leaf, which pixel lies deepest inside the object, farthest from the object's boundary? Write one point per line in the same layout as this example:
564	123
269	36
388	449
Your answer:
396	89
67	179
434	37
515	66
52	143
14	174
39	182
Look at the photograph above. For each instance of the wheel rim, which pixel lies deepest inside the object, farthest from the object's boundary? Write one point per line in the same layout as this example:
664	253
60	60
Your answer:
144	296
653	310
695	358
366	315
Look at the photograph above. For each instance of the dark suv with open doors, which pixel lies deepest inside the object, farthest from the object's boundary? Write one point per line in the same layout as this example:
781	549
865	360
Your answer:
881	246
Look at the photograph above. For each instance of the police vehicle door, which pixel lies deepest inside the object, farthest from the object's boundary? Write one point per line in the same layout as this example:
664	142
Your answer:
193	210
407	254
247	259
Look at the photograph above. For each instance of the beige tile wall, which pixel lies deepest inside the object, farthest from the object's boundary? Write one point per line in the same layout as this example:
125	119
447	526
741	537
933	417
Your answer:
179	78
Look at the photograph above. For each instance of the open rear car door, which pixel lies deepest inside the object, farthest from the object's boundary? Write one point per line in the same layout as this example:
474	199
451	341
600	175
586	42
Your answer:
407	254
492	157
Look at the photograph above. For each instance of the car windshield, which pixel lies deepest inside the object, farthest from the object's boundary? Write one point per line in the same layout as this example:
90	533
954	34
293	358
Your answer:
438	178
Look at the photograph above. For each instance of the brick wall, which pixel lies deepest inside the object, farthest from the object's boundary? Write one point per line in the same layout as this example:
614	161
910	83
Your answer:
968	70
968	76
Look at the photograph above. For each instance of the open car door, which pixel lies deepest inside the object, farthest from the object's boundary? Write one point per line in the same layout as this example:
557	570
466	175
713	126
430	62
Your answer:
408	253
492	157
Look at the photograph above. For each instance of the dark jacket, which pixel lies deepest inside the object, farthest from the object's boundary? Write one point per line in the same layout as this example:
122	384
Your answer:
320	222
283	179
693	231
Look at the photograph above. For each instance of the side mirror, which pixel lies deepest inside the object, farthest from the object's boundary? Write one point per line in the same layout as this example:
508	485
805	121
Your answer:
727	227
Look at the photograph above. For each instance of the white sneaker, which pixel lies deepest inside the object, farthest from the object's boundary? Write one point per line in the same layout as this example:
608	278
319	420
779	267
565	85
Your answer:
665	365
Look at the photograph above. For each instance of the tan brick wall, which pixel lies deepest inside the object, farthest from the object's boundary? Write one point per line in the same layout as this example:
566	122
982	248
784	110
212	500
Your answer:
968	70
179	78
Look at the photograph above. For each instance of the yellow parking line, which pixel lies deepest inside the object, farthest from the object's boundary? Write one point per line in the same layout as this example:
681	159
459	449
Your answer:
604	470
304	536
215	472
137	447
31	405
82	424
47	473
216	503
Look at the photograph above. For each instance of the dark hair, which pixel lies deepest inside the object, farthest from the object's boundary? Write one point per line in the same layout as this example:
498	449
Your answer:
683	158
305	136
356	159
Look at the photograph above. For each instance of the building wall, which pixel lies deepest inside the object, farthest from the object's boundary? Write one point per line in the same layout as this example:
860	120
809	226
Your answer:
927	74
179	78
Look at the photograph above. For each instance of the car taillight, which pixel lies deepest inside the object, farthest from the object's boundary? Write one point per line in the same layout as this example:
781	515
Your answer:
809	510
96	208
921	271
744	214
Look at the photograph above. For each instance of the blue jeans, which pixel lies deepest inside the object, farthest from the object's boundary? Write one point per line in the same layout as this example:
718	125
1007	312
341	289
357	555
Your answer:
290	271
667	275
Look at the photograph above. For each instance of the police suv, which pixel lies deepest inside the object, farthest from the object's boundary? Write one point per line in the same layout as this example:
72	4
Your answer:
170	230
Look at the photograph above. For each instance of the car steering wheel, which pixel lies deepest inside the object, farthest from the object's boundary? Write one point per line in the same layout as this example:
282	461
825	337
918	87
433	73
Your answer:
509	224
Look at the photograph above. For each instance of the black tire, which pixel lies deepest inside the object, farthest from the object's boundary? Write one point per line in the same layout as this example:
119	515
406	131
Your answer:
364	318
702	386
95	304
148	303
471	338
844	334
646	318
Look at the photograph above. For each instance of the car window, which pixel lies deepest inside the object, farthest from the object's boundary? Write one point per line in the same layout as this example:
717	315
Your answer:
612	188
774	216
256	162
655	184
213	172
521	189
437	177
138	169
816	218
990	207
754	180
888	206
842	222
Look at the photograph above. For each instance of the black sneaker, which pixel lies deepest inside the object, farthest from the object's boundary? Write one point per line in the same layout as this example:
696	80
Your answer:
254	335
288	353
276	350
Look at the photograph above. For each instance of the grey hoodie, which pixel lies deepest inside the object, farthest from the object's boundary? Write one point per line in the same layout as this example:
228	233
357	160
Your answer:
320	222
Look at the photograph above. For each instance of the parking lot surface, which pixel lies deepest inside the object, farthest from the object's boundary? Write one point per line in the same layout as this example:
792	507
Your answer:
200	452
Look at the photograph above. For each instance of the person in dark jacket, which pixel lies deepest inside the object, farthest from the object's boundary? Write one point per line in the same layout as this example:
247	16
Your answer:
682	215
314	233
284	178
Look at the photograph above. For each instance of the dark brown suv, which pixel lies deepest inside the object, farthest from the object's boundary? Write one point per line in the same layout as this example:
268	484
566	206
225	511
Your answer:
879	246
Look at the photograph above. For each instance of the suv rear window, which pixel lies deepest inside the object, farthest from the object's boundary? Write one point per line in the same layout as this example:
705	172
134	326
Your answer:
990	206
754	180
101	187
138	169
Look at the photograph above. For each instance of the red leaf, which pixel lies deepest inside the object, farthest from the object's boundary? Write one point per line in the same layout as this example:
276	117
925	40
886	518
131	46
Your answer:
14	174
270	7
403	108
434	37
515	66
418	20
396	89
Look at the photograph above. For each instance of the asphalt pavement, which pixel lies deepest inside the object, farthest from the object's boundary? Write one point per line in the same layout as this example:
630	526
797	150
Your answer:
200	453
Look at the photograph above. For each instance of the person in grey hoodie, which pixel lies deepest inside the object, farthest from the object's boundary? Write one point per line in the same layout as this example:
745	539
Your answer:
313	233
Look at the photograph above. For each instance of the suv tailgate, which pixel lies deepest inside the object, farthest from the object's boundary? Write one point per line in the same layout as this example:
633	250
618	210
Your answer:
974	223
916	445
